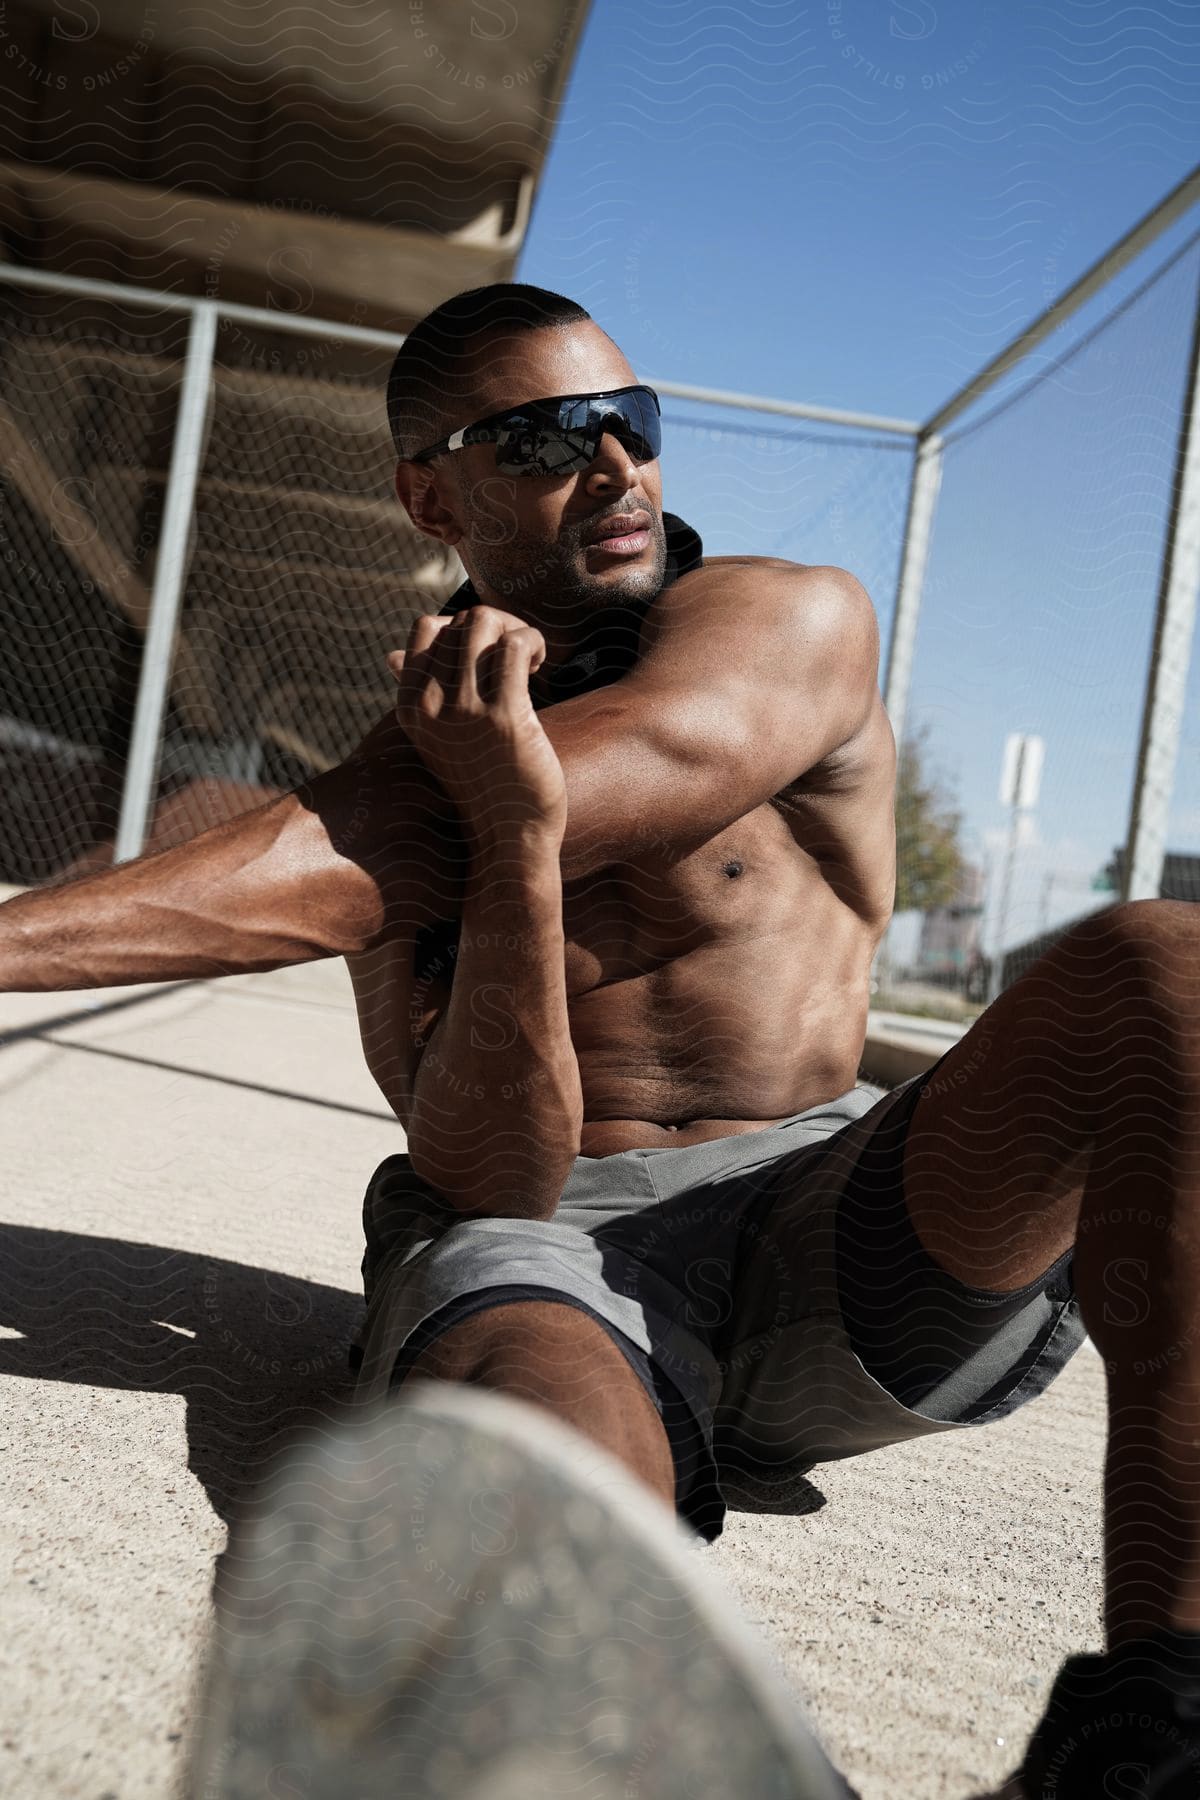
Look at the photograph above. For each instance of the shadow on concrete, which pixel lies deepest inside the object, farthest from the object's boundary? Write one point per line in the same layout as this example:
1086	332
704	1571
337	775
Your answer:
256	1355
233	1081
84	1012
42	1030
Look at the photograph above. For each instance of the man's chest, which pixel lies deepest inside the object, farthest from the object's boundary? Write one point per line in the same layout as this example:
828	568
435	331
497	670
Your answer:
633	919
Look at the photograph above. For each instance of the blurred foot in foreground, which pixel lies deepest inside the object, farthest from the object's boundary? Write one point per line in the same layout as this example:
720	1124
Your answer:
456	1596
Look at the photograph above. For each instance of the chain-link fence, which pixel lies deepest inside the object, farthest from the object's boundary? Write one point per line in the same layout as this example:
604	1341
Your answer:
755	485
304	572
87	408
302	569
1049	552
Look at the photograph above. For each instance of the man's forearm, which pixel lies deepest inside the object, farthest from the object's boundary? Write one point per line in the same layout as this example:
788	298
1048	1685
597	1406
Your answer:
213	906
324	871
497	1103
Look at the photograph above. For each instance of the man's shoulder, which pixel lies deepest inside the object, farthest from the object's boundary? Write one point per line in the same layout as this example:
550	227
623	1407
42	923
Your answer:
768	562
786	591
778	621
763	620
811	575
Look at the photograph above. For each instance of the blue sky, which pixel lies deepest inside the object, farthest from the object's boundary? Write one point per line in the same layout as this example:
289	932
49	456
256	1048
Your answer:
857	204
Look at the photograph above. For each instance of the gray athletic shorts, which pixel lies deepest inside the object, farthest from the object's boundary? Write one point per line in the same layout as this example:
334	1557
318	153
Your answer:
767	1288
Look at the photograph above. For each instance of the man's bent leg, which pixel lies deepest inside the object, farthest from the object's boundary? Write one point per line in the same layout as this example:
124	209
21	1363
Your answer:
1071	1112
557	1357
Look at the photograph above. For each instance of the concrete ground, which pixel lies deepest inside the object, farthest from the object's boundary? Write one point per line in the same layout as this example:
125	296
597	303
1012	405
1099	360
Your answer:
183	1169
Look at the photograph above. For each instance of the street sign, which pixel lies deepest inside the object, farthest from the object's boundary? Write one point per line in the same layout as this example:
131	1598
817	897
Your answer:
1021	770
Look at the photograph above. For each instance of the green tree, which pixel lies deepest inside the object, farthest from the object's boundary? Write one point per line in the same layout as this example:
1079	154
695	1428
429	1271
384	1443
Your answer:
929	859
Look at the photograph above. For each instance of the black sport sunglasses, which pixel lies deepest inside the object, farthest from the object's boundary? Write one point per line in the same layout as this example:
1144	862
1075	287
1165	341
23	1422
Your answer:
562	435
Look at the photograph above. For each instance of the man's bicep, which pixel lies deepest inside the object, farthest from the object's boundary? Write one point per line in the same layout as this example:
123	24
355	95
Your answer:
772	674
749	678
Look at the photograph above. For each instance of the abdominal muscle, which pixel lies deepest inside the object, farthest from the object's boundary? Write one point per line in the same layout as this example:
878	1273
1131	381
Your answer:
768	1032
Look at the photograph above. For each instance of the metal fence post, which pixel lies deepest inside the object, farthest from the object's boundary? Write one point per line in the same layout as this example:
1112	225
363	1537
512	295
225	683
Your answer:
918	530
169	572
1166	683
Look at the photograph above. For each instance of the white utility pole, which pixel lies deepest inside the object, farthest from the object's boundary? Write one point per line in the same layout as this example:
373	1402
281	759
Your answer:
1020	783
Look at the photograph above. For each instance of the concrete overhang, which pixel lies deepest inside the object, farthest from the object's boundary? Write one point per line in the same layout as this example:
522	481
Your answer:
360	161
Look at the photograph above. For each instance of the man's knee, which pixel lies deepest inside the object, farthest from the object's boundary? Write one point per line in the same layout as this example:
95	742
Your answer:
1136	931
554	1355
1134	964
522	1346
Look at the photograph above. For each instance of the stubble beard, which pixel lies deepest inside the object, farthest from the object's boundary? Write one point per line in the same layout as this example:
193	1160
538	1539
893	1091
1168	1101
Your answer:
551	583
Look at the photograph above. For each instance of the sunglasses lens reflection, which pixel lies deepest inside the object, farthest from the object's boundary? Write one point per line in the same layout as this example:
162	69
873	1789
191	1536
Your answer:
545	451
568	442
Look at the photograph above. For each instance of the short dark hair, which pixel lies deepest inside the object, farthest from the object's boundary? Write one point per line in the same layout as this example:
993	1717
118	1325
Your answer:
433	371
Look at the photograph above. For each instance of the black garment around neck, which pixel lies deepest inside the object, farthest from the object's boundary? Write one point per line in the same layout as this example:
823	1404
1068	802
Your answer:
578	674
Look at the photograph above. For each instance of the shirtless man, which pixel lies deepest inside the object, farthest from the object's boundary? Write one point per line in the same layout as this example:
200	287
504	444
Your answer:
609	884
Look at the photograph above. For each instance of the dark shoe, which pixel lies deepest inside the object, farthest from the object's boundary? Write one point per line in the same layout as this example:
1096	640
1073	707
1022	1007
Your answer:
458	1597
1125	1724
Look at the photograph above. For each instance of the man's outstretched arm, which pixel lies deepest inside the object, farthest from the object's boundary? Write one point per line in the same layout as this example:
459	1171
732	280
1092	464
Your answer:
324	871
750	674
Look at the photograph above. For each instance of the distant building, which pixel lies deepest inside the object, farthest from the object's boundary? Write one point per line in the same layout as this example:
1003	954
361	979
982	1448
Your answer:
1180	881
1180	876
949	940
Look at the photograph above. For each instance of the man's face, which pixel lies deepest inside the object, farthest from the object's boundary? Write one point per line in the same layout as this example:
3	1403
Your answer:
525	540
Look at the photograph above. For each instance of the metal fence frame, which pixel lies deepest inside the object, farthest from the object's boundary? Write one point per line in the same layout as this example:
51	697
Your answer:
1175	615
1166	677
